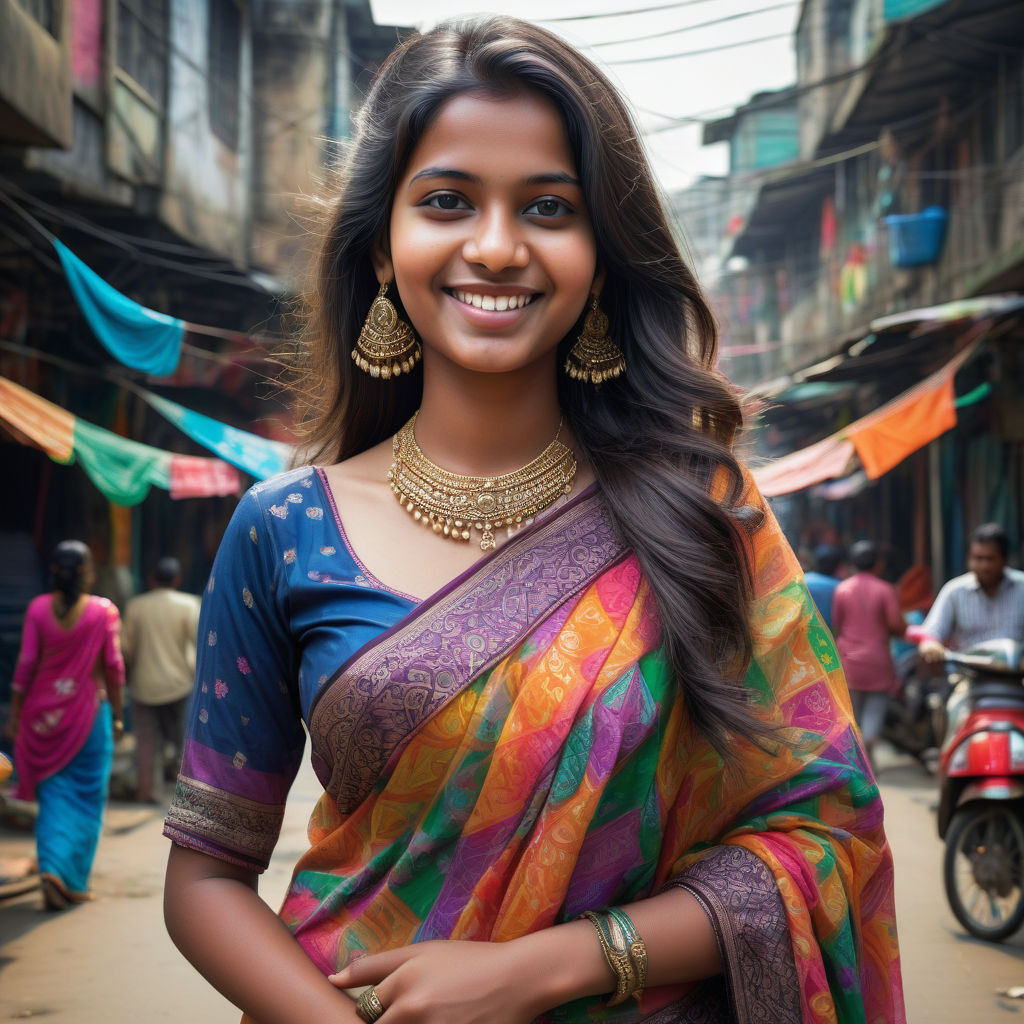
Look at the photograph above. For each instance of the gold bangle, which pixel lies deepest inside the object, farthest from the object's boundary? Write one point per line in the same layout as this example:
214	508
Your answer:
636	946
623	950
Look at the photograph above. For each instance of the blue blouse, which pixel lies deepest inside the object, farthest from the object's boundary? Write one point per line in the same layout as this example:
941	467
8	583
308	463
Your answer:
288	602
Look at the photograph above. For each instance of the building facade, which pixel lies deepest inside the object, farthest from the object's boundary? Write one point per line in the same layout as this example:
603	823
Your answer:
903	192
173	146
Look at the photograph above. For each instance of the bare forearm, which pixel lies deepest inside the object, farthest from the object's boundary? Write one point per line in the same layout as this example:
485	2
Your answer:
14	718
243	949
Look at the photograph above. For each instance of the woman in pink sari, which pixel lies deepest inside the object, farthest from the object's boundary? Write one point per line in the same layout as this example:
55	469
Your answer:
65	719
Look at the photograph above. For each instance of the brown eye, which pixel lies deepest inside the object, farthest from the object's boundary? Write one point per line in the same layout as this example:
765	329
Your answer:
548	208
447	201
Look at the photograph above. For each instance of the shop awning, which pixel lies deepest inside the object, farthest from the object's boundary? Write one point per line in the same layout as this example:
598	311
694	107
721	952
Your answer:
881	440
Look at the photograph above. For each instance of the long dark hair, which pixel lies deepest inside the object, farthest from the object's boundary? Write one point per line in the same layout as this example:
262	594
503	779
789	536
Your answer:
70	563
656	437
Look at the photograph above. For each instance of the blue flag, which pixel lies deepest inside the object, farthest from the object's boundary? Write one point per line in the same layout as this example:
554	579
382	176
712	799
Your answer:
257	455
136	336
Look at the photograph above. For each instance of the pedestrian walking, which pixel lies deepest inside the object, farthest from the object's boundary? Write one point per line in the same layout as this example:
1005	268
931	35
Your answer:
985	603
65	719
585	748
160	630
824	578
865	617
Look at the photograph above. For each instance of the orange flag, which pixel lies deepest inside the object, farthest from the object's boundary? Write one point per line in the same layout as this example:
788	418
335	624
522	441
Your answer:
885	438
45	424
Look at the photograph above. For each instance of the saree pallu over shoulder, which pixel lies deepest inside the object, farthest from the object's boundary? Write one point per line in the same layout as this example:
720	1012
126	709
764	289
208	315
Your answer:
516	752
377	701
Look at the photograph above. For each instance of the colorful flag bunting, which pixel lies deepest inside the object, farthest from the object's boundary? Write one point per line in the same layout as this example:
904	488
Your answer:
122	469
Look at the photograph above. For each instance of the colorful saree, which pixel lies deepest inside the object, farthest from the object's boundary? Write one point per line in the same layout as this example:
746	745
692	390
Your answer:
513	752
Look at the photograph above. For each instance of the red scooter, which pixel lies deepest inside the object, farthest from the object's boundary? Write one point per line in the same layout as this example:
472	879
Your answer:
981	790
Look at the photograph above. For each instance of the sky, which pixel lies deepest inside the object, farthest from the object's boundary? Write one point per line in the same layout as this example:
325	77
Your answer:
701	86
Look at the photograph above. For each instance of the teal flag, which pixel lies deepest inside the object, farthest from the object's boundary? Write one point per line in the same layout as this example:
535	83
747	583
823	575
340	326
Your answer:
134	335
257	455
123	470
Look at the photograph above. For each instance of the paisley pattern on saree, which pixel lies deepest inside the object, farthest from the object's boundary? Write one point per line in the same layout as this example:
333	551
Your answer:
565	775
374	704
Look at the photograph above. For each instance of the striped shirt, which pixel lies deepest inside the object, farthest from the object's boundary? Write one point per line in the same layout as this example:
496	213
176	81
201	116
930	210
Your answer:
963	615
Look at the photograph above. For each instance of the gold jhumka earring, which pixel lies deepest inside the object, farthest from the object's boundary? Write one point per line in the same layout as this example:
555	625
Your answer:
386	345
595	357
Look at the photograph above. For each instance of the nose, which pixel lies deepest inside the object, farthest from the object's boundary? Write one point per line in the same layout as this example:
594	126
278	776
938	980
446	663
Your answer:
496	241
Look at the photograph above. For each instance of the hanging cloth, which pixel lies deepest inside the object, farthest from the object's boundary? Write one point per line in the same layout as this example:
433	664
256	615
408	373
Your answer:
194	477
122	469
805	467
884	440
136	336
257	455
41	422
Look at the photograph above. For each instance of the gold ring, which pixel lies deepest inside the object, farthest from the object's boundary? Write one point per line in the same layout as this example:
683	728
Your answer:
369	1006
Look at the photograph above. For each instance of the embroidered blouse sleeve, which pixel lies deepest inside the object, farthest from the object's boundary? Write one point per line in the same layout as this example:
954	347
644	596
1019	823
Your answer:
245	738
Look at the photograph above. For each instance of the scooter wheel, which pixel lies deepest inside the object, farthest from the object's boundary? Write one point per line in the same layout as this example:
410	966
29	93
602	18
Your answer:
984	869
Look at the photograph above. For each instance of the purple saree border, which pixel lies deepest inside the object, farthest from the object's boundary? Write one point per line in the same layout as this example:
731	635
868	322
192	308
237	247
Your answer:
377	700
741	899
424	606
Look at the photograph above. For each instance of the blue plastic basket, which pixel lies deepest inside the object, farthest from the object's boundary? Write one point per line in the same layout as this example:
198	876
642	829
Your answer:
915	239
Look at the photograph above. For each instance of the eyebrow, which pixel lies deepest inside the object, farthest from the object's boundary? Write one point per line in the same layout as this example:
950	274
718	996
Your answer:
550	178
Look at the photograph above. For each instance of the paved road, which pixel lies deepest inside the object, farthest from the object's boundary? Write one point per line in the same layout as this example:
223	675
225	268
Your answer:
947	975
110	962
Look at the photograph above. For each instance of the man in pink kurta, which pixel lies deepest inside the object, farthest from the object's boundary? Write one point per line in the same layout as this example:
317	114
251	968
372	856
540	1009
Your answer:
865	616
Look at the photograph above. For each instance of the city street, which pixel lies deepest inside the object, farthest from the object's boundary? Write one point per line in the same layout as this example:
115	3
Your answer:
110	962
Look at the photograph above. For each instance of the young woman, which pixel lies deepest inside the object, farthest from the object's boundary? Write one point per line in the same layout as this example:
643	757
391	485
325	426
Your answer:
65	719
553	654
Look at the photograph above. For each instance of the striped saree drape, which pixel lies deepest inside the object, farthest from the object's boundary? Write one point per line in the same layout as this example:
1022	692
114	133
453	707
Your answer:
514	751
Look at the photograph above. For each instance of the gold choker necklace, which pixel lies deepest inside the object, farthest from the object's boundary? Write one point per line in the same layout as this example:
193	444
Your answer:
454	505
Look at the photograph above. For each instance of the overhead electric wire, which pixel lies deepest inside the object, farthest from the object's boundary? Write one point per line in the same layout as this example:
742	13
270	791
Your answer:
691	28
698	53
112	237
189	325
622	14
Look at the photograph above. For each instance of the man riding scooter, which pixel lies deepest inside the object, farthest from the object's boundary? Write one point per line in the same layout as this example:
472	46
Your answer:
981	771
986	603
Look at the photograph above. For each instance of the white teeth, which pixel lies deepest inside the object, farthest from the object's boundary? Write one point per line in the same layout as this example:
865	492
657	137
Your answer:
499	303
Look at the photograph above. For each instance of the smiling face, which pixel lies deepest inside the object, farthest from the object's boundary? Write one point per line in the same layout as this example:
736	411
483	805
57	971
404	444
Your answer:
490	243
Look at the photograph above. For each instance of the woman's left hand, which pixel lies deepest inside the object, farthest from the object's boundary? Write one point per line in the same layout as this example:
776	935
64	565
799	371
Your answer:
449	982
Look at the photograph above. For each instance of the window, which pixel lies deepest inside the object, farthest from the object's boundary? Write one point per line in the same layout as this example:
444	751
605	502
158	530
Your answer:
46	12
142	43
224	62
